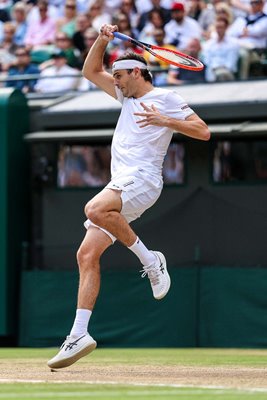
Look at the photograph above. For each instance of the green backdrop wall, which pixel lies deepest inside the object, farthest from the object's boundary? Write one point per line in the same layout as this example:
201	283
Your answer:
206	307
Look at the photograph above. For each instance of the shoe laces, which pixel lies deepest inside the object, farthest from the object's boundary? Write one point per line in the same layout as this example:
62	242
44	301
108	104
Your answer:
70	345
153	274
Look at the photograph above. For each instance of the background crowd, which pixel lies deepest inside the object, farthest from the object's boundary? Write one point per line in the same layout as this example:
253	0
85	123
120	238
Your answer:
52	38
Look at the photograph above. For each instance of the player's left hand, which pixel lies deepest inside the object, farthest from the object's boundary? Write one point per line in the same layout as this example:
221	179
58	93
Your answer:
152	117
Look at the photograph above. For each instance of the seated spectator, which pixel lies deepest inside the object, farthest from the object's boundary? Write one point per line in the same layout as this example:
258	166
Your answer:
19	13
159	77
155	21
221	10
90	37
8	47
41	32
23	66
251	33
83	22
202	12
154	5
67	23
99	16
221	54
178	76
64	42
67	78
122	48
128	8
181	28
123	23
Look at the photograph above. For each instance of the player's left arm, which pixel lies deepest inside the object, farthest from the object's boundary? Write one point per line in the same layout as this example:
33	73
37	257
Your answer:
193	126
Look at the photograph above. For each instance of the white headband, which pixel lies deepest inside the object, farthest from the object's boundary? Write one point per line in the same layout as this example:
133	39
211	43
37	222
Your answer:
128	64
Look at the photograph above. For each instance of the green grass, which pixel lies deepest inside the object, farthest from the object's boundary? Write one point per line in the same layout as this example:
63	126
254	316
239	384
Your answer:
135	357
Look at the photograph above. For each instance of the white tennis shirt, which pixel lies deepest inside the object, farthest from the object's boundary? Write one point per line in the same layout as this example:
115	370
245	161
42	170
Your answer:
143	149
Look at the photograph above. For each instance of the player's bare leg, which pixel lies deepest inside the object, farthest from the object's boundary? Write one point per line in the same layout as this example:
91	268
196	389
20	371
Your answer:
104	211
79	343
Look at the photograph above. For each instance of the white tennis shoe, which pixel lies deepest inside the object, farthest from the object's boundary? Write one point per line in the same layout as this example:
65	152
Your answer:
72	350
158	275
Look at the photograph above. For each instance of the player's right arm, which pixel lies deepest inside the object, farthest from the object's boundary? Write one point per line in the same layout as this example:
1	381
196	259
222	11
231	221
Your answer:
93	68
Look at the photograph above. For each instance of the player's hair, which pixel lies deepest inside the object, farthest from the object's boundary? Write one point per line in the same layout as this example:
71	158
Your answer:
145	73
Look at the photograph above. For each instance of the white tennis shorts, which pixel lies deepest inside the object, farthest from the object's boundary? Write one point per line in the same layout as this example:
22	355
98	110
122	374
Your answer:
138	193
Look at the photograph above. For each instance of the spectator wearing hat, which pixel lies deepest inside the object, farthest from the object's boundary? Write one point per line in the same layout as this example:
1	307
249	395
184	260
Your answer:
59	77
23	66
181	28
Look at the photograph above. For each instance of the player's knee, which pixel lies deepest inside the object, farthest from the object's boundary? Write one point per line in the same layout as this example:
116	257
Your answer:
94	212
86	258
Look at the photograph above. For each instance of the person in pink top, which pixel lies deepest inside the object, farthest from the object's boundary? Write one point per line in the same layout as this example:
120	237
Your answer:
42	32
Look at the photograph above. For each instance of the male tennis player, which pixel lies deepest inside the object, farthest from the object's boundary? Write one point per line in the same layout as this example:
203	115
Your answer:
148	118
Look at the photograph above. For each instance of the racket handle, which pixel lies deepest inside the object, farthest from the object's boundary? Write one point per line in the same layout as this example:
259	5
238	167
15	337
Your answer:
121	36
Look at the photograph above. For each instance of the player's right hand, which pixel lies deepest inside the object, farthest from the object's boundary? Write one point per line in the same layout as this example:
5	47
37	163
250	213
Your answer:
106	32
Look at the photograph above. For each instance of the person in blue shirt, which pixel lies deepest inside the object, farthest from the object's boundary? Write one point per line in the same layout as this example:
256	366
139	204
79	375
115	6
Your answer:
23	66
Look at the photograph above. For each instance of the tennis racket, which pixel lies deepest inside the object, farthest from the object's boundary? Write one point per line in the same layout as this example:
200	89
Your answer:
169	56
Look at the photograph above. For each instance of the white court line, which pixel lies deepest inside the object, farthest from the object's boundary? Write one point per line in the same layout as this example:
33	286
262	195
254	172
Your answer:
113	383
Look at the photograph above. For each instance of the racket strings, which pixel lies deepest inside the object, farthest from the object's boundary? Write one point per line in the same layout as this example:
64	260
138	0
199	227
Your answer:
173	57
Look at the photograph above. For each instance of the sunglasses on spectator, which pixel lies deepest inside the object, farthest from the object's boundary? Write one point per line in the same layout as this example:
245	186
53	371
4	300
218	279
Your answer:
62	38
71	6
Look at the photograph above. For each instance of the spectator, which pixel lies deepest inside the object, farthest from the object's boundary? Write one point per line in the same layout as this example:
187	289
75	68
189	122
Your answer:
178	76
8	47
83	22
67	23
221	54
123	47
128	8
42	31
90	37
66	77
220	10
155	21
155	5
181	28
23	67
202	12
159	76
63	42
19	13
98	15
251	33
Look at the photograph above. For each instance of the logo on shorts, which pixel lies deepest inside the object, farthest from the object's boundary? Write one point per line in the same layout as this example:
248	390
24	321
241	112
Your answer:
128	183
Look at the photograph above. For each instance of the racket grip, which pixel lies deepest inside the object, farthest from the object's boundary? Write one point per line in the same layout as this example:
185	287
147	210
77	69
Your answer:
121	36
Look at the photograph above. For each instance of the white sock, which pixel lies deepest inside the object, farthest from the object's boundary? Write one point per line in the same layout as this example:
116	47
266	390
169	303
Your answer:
80	325
145	256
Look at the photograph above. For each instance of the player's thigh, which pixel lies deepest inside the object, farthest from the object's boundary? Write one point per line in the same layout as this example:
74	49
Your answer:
106	200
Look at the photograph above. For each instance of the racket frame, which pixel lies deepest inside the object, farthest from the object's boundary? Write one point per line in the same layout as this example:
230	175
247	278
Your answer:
150	47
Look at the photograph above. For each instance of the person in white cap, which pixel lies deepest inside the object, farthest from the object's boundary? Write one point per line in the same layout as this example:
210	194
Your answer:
148	118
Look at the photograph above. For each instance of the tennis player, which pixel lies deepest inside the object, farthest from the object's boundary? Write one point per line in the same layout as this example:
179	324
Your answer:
148	118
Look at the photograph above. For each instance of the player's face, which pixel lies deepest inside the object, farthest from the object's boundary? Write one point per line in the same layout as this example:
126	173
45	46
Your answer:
125	82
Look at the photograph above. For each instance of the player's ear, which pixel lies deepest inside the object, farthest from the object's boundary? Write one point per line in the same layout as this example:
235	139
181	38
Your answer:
136	72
